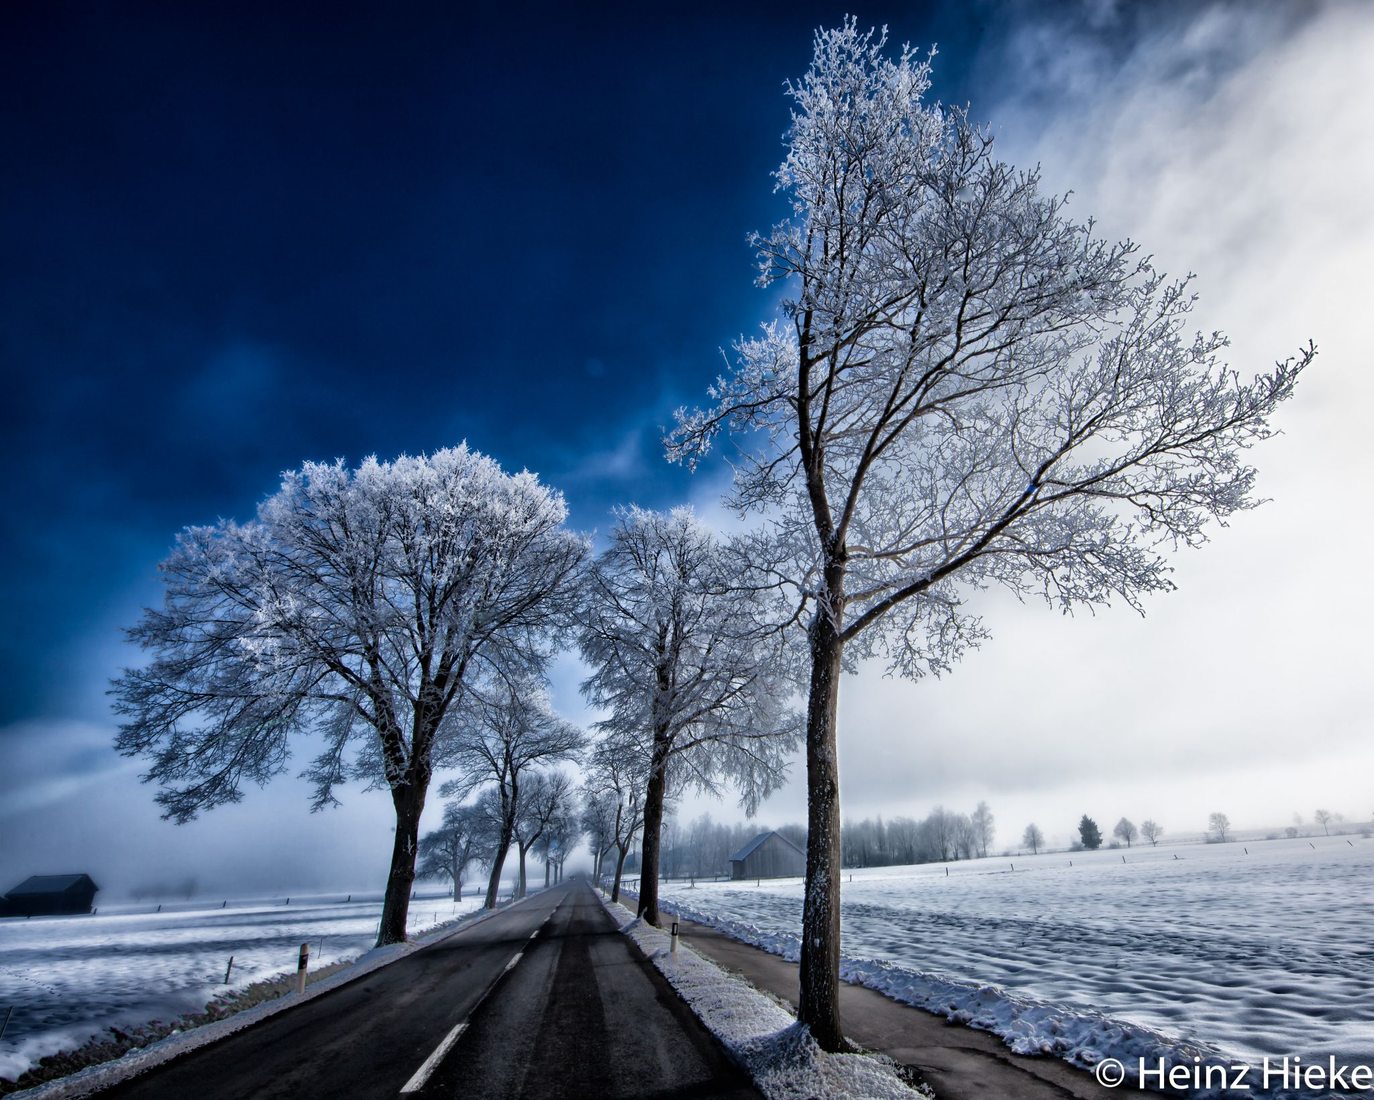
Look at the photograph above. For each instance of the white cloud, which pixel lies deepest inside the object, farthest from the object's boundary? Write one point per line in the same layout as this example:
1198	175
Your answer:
1237	142
623	460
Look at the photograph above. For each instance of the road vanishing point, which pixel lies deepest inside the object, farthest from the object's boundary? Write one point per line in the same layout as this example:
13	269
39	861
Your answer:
543	999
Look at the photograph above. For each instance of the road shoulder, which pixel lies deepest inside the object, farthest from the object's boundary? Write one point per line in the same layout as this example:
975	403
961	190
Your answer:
958	1063
760	1033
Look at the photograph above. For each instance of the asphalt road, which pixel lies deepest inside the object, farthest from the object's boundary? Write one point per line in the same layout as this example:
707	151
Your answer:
544	999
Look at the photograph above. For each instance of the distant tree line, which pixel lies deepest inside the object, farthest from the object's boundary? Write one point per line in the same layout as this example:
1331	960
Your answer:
702	848
941	836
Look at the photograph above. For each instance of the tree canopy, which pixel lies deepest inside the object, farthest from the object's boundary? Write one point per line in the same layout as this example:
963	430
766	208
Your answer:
965	387
358	606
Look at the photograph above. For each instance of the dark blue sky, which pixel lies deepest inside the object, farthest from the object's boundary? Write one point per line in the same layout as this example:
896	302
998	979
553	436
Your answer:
237	237
235	240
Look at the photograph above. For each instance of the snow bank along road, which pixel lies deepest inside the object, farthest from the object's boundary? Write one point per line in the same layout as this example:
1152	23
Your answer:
544	999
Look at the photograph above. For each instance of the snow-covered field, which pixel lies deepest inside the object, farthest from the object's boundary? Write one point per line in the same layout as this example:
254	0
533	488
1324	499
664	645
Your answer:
71	977
1194	949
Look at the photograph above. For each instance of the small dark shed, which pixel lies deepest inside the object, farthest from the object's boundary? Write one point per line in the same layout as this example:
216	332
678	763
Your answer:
768	855
46	895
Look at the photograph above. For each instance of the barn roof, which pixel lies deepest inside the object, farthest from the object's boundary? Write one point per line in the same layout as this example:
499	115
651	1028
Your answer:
757	842
48	884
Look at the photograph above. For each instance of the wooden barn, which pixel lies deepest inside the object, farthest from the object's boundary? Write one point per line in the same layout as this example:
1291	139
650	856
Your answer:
768	855
49	895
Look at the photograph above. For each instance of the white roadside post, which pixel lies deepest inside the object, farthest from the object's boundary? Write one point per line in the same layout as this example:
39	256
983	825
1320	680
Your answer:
302	962
672	948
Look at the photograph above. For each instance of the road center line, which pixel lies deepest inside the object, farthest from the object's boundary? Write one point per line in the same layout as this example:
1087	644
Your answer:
417	1082
422	1075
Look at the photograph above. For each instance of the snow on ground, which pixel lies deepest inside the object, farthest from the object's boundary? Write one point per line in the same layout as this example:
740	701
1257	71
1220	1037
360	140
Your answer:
69	978
780	1055
1204	950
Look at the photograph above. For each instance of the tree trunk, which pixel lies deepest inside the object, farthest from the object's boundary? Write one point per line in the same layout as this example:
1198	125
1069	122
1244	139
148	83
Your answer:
456	873
819	1004
548	868
653	827
619	868
498	861
409	801
520	885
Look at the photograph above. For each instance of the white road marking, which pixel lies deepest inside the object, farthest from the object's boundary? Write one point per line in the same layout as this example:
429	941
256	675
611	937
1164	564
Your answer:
417	1082
422	1075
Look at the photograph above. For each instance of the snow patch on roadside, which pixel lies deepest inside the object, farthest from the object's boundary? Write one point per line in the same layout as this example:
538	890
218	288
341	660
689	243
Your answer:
762	1035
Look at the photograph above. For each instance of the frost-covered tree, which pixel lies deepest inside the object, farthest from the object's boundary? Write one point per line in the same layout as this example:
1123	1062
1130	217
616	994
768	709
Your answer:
966	387
1125	830
687	668
559	839
446	852
507	729
1089	834
983	828
620	780
940	831
1151	830
598	823
544	801
965	837
1219	825
1033	838
358	606
1323	818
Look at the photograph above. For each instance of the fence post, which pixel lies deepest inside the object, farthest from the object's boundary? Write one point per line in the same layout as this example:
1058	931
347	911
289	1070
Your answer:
302	962
10	1012
227	969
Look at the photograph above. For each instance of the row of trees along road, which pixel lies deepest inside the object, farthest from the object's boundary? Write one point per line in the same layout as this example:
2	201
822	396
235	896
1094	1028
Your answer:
964	387
688	664
546	820
405	612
